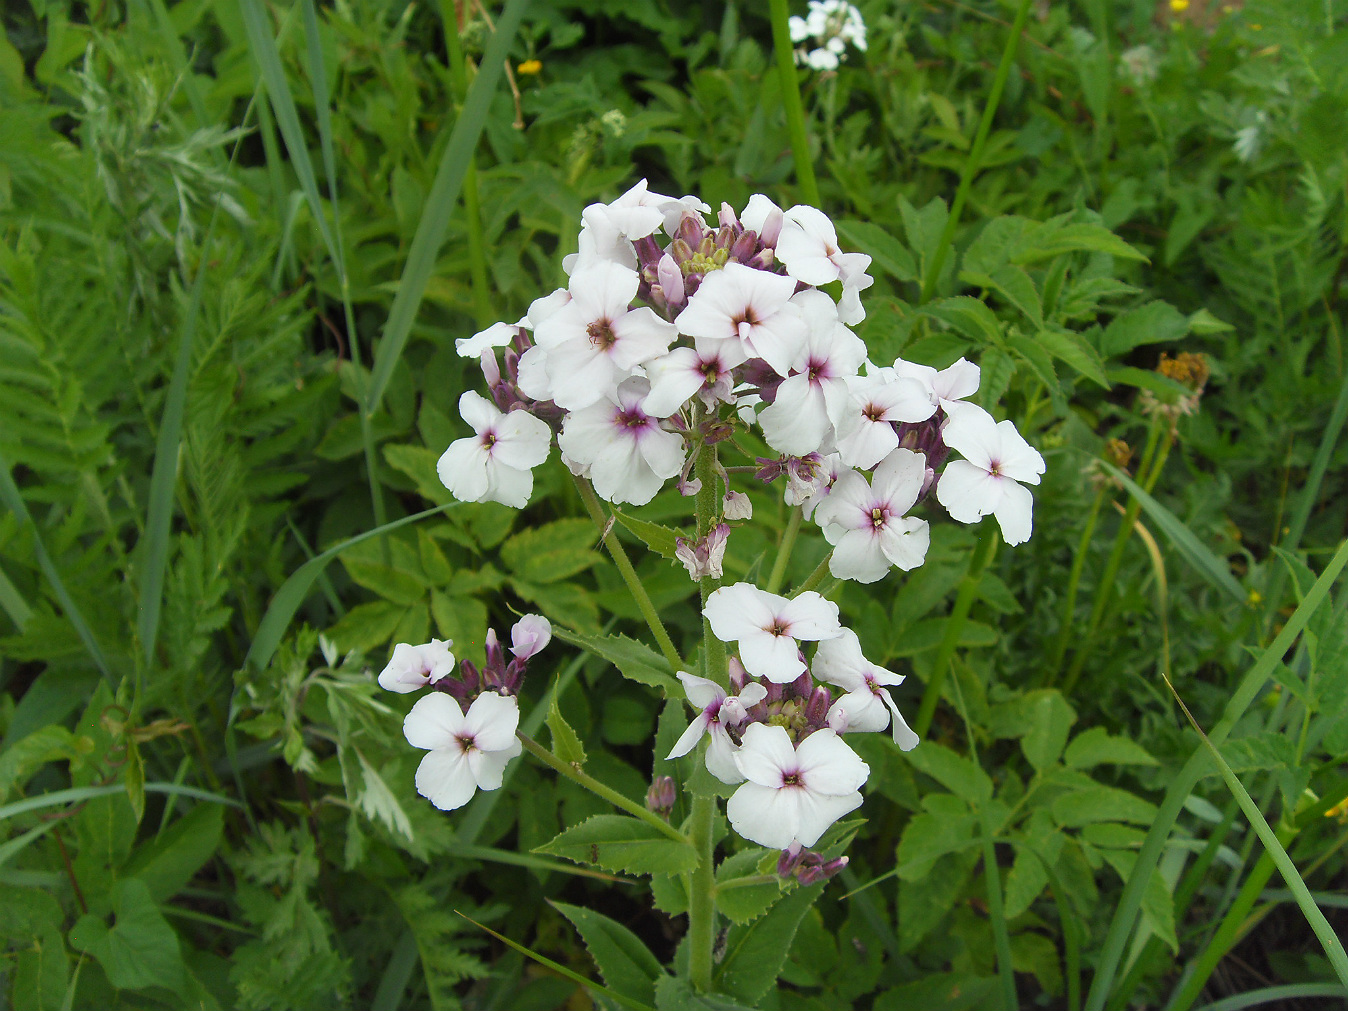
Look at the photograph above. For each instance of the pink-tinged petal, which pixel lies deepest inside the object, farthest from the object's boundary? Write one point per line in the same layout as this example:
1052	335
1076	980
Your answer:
662	451
444	778
435	722
971	432
847	507
492	720
530	635
674	378
818	811
857	556
865	713
905	542
739	610
489	766
763	216
688	739
1015	513
581	375
775	657
701	692
967	492
509	486
904	736
721	756
764	753
522	441
957	382
765	815
829	766
404	672
840	662
868	443
1020	461
899	479
811	616
777	339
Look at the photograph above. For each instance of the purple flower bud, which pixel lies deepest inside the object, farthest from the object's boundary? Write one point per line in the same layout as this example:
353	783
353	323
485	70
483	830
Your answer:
772	227
472	681
725	237
810	876
726	218
738	675
744	247
803	686
788	861
691	230
816	709
837	721
490	370
834	867
681	249
495	656
776	693
671	282
660	797
648	253
512	365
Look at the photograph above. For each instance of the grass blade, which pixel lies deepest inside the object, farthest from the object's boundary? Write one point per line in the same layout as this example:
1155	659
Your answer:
11	600
562	970
1275	995
13	501
1194	551
1125	914
441	201
14	846
281	610
78	793
1338	958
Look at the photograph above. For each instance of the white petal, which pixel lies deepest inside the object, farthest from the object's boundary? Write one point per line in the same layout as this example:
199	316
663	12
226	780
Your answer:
701	692
829	766
764	752
818	811
522	440
811	616
739	610
492	720
721	756
498	335
444	778
903	734
434	722
968	493
1014	512
775	657
509	486
488	767
1020	461
462	468
765	815
858	556
865	713
688	739
752	694
971	431
905	542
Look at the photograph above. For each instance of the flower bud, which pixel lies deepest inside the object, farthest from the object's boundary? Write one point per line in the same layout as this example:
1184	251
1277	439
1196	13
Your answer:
803	686
772	227
660	797
727	218
789	861
738	675
816	709
744	247
472	681
490	370
671	282
529	635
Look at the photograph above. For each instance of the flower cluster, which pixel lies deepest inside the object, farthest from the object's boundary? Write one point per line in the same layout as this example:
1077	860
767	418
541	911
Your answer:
825	31
779	734
467	723
673	334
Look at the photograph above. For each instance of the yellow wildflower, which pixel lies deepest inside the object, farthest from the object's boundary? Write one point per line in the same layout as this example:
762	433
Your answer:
1179	6
530	67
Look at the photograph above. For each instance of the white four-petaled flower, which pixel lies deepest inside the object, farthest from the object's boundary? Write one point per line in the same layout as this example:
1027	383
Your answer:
413	667
750	307
467	751
996	458
769	628
793	794
867	523
866	707
718	710
496	464
624	450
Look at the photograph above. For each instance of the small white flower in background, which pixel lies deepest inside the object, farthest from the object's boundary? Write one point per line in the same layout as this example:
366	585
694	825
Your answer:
414	667
867	706
1250	138
793	794
623	449
496	464
529	635
718	710
467	751
769	628
1139	65
868	434
592	343
996	458
867	523
830	25
748	306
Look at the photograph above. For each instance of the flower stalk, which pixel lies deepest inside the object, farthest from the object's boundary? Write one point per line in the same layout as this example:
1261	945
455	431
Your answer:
795	111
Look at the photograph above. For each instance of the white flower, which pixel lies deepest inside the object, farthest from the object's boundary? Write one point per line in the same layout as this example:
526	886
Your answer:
793	794
592	343
800	31
467	752
867	523
876	404
867	706
769	628
498	335
812	401
625	451
821	59
761	215
943	388
808	484
704	370
996	457
413	667
496	464
808	246
752	307
529	635
718	709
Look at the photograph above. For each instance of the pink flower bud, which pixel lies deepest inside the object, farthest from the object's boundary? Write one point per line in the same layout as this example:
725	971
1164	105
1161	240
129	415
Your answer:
530	634
671	282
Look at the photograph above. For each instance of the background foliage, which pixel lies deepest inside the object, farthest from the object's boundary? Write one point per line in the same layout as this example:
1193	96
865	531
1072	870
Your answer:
205	383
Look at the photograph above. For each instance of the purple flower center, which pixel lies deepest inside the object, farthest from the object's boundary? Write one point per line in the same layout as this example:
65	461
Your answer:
792	777
632	417
466	743
879	517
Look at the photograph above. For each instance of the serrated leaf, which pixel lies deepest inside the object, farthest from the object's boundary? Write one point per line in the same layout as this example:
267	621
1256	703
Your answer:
618	843
565	744
928	837
970	317
1026	880
552	552
1052	239
755	952
168	862
676	993
1014	285
960	775
927	634
1102	803
1051	720
419	463
636	661
745	903
660	539
1097	746
624	962
1032	354
886	252
1146	379
1076	352
1153	323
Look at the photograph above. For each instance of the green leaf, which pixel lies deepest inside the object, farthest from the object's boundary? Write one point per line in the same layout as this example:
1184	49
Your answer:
618	843
886	252
637	661
969	316
625	963
742	903
676	993
1025	882
1102	803
168	862
928	837
1146	379
958	774
927	634
552	552
1050	240
658	538
1097	746
1076	352
1051	720
1203	323
1014	285
755	952
140	949
1032	354
419	463
565	744
1153	323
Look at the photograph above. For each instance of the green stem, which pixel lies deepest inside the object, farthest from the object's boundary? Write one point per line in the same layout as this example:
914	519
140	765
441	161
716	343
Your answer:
629	574
599	789
1073	585
975	153
978	564
1005	970
816	577
788	542
795	112
702	897
708	498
